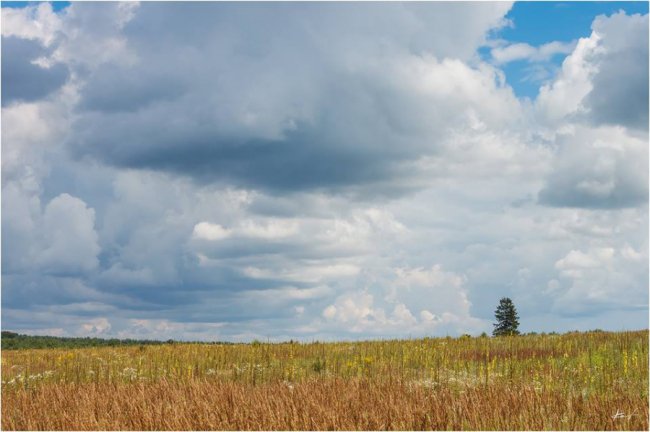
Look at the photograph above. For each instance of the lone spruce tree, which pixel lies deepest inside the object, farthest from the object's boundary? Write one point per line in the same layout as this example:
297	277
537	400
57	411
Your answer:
507	319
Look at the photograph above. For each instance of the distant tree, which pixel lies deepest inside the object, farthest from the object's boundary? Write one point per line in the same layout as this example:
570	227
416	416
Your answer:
507	319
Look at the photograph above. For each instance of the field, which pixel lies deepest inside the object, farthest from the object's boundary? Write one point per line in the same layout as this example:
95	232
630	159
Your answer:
588	381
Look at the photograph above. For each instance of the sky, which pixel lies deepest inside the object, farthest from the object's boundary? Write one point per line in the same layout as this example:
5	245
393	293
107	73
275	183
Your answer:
323	171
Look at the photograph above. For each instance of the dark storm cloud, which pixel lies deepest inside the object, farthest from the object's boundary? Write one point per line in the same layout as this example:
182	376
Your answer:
135	90
620	87
359	141
621	90
28	290
566	193
21	79
275	107
303	160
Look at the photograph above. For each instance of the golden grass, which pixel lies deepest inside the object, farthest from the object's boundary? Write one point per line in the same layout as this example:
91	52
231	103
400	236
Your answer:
574	381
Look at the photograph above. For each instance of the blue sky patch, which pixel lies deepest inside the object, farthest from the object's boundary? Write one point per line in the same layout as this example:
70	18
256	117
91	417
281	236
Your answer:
56	5
538	23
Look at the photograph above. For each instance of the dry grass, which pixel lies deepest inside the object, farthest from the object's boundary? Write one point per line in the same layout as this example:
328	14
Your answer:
569	382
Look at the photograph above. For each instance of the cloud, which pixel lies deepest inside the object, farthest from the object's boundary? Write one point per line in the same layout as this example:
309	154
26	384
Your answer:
575	261
70	241
620	94
340	148
564	96
604	80
601	158
23	79
598	168
267	229
208	231
333	125
35	22
437	297
587	278
524	51
433	288
97	326
60	241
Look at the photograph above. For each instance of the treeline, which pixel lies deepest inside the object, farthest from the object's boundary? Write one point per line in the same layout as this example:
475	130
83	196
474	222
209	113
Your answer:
11	340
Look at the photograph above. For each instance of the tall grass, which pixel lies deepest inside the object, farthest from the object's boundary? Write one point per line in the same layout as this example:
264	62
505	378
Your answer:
594	380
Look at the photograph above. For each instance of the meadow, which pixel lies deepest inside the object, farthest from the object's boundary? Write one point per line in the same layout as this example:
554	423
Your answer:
574	381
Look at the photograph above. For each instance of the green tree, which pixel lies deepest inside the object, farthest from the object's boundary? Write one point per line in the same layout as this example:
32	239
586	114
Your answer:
507	319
